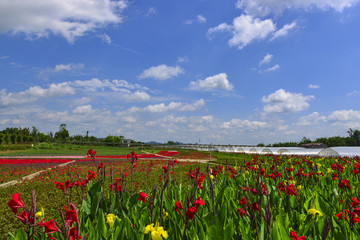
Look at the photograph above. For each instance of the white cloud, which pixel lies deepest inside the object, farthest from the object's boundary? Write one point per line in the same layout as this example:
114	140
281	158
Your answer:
105	38
267	58
313	86
344	115
270	69
137	96
284	30
174	106
246	29
312	119
199	19
242	125
283	102
34	93
182	59
355	92
161	72
85	109
4	57
265	7
216	82
71	67
95	84
68	18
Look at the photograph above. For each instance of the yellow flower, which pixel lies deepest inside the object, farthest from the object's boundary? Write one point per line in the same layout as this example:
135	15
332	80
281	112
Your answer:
330	170
318	165
110	219
313	211
39	214
299	187
256	166
235	168
157	233
165	214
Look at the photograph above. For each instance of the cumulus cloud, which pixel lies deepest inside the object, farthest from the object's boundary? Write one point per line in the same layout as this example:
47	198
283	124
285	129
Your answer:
246	29
344	115
84	109
284	30
95	84
312	119
282	101
216	82
71	67
68	18
265	7
34	93
137	96
161	72
175	106
267	59
243	125
199	19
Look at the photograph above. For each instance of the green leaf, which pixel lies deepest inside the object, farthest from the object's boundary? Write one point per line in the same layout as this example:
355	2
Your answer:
229	230
101	225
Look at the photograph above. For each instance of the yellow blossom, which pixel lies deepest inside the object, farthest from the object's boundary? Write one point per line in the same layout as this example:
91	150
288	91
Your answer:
299	187
157	232
313	211
318	165
330	170
165	214
39	214
110	219
256	166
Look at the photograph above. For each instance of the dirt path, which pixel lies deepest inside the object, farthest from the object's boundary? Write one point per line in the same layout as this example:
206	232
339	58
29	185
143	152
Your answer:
180	160
28	177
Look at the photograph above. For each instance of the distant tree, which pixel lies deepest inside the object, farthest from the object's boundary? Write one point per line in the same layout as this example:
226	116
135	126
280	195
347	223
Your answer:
261	145
305	140
355	135
62	134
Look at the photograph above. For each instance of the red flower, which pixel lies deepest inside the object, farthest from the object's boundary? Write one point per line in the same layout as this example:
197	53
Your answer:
49	226
243	201
73	234
142	197
71	216
91	175
197	202
294	236
101	165
16	202
165	168
255	206
241	212
191	212
69	184
178	206
24	217
355	202
345	183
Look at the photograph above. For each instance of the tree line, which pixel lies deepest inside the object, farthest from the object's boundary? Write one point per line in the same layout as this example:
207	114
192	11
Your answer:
28	135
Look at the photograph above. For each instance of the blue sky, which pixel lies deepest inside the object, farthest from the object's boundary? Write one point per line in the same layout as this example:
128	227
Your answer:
224	72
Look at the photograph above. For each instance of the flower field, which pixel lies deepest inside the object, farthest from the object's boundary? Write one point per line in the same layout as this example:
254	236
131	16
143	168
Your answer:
257	197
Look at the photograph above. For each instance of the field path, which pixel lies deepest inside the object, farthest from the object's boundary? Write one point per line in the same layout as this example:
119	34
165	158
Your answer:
28	177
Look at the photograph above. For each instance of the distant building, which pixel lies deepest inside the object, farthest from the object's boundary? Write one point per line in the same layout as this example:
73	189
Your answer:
126	141
314	145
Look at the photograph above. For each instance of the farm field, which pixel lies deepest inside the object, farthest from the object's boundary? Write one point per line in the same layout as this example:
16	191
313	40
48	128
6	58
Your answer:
252	197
